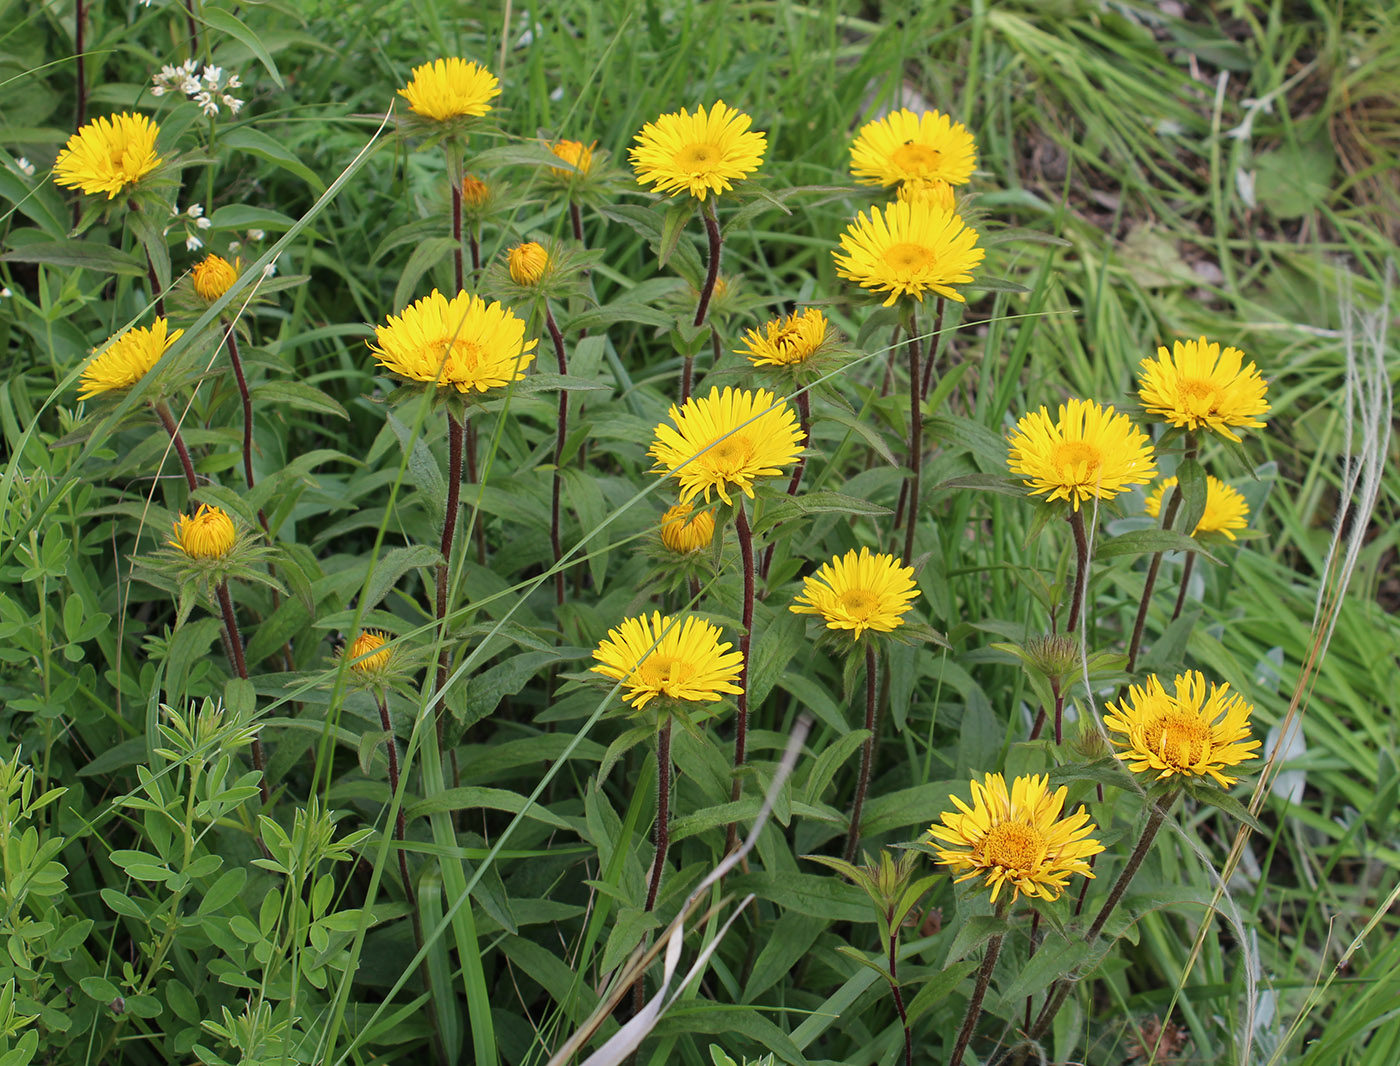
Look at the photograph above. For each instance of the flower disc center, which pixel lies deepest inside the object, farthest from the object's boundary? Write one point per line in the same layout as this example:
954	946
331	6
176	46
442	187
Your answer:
730	454
661	671
698	158
1180	739
1197	396
860	603
916	157
1074	456
1013	846
907	257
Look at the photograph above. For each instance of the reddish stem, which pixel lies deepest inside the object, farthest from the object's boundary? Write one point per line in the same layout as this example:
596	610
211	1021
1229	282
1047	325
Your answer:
741	729
561	430
400	824
168	421
867	751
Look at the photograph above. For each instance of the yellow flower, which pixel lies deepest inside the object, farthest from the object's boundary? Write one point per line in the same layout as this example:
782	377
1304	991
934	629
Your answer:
1196	732
210	534
475	192
904	146
1089	452
681	661
699	153
460	343
859	592
909	249
127	359
1196	384
787	341
1226	510
451	88
368	641
108	154
725	440
578	155
938	193
213	275
528	263
1017	838
684	532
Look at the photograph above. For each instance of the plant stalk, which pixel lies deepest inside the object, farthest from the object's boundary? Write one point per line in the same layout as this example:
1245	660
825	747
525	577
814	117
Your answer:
979	992
157	296
240	667
455	435
400	825
933	345
168	421
1169	508
741	726
916	442
804	420
1186	570
79	47
1081	577
457	269
561	430
867	751
899	1000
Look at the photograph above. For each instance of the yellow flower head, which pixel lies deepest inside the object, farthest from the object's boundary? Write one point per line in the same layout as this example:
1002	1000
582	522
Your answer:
938	193
725	440
451	88
699	153
462	343
681	661
127	359
475	192
578	155
365	644
859	592
528	263
210	534
213	275
1226	510
1197	384
1017	838
1089	452
909	249
904	146
684	532
787	341
1196	731
108	154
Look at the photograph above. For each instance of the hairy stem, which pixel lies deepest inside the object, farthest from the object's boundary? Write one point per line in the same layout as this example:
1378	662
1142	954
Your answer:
455	435
1081	572
168	421
741	720
933	345
712	270
974	1005
561	430
400	825
867	752
1169	508
1186	570
576	220
457	269
804	419
240	667
899	999
663	811
916	443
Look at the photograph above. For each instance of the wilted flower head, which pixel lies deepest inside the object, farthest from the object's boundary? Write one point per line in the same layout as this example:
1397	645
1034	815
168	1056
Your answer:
475	192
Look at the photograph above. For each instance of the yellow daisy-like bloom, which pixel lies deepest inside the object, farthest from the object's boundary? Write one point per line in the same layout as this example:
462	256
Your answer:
1017	838
213	275
699	153
1088	452
460	343
787	341
684	532
909	249
688	662
578	155
859	592
108	154
127	359
904	146
210	534
1226	510
528	263
364	644
938	193
1197	384
1196	731
451	88
475	192
725	440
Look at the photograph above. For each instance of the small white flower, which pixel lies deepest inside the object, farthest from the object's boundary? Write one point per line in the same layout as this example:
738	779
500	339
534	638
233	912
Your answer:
190	86
207	103
270	269
5	293
233	104
256	234
203	223
189	66
212	75
234	246
233	82
193	243
26	166
1244	186
195	210
158	90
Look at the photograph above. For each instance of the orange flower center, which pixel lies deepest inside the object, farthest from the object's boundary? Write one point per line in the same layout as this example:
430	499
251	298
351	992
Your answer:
660	671
1197	396
916	157
906	257
1013	846
697	157
1075	455
1180	739
457	352
860	603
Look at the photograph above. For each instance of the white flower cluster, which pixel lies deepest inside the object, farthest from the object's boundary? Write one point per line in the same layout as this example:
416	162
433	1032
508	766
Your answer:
208	89
192	215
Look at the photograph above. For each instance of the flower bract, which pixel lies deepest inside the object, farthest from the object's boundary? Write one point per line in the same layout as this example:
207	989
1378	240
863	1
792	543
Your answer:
1016	837
1197	730
212	277
725	440
208	534
700	153
789	341
1226	509
1087	452
108	154
1200	385
858	593
451	88
675	658
462	343
904	146
909	249
684	531
127	358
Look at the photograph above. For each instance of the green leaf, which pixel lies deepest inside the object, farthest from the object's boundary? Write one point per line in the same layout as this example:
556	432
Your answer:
219	19
472	798
826	764
938	987
223	891
299	395
673	225
1053	959
1217	797
859	956
1148	541
785	508
87	255
426	255
392	566
256	143
973	933
1191	483
99	988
